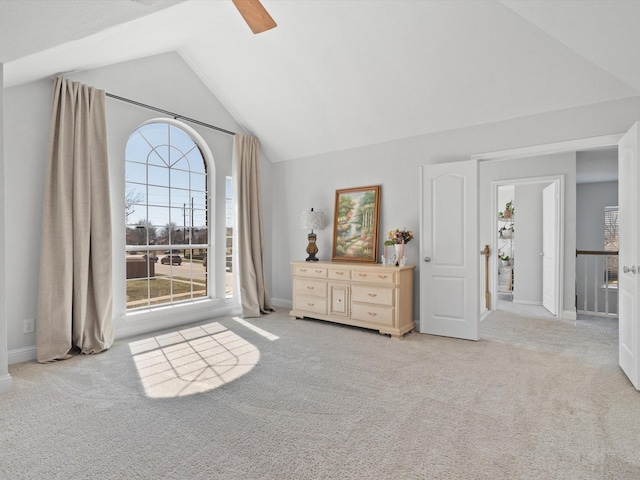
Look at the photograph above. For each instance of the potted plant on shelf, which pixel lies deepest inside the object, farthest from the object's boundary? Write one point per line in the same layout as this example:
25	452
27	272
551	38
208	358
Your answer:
506	232
508	212
504	260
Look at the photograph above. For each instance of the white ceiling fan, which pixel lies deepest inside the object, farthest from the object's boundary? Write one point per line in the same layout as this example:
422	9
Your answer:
252	11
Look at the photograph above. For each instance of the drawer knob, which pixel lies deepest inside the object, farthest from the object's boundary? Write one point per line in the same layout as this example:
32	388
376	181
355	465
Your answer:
362	275
310	304
373	294
339	300
303	269
318	271
382	276
339	273
310	288
372	314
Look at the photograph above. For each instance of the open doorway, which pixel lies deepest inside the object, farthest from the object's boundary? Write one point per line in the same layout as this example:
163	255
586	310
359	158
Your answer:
595	184
529	231
597	236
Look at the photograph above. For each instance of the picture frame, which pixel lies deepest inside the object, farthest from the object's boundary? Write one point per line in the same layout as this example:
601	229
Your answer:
355	224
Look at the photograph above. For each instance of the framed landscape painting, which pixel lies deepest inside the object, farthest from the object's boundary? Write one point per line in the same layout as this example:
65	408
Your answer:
355	224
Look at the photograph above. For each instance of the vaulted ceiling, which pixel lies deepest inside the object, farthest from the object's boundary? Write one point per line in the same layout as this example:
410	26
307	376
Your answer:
341	74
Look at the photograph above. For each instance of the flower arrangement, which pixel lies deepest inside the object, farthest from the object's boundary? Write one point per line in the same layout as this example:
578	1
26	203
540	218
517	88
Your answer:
399	236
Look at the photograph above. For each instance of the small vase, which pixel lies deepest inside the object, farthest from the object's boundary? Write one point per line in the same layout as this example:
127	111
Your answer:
399	248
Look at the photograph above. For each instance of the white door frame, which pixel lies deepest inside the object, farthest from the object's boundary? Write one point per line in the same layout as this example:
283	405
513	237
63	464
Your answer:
559	262
538	150
551	148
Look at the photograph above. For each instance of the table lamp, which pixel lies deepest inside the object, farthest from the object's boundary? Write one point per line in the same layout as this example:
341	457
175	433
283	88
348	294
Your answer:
310	220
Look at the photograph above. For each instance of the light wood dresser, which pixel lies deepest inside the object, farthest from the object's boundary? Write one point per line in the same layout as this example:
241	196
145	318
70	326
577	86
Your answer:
373	296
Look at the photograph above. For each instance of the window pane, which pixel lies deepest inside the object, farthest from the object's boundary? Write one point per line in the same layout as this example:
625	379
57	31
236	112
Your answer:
199	218
158	196
136	193
180	198
180	139
198	182
158	176
154	133
611	244
179	162
193	156
159	216
179	179
159	156
199	200
611	228
229	236
136	172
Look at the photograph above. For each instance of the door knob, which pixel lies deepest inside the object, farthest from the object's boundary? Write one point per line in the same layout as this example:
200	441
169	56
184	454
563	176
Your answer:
631	269
427	259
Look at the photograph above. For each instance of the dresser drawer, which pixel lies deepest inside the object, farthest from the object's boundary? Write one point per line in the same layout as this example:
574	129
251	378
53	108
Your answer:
310	271
304	286
373	294
372	314
385	278
339	274
311	304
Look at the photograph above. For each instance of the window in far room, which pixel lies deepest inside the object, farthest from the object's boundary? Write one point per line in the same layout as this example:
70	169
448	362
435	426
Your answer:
166	216
611	245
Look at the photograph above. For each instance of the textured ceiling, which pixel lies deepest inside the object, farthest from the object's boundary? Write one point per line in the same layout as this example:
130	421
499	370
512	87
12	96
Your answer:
337	75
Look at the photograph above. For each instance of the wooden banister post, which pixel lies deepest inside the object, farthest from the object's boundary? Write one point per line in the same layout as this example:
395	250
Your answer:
487	297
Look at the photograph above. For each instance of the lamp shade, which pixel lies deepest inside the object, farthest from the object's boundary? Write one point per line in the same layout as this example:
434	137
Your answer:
310	220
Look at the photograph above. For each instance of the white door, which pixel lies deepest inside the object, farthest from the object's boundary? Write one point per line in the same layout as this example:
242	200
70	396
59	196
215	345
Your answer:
550	248
449	297
628	291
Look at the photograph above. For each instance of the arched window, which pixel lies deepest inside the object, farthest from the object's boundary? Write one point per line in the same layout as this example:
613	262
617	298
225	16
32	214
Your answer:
166	216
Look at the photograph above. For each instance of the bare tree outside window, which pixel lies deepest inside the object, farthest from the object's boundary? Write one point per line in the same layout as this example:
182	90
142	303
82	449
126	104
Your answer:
132	197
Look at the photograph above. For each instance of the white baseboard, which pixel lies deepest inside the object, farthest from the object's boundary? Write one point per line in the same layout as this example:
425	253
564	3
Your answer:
569	315
281	302
5	383
24	354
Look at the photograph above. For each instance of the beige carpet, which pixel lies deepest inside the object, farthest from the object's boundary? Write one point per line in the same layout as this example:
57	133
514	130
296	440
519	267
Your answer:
534	399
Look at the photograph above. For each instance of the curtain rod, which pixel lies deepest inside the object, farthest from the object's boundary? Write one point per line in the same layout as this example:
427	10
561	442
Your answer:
172	114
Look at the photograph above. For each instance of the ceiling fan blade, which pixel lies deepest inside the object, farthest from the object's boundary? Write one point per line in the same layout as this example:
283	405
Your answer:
255	15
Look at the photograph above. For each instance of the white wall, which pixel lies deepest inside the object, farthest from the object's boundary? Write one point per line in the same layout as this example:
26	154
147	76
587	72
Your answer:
591	200
164	81
288	187
395	165
5	378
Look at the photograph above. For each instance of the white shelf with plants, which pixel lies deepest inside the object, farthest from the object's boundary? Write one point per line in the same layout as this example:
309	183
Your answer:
506	229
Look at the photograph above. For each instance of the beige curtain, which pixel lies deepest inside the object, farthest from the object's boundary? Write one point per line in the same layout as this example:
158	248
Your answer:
75	302
253	292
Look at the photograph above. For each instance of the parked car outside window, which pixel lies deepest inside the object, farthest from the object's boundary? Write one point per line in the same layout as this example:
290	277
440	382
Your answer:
171	259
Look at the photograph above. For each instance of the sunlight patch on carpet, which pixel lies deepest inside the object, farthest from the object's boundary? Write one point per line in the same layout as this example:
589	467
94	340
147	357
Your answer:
193	360
258	330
